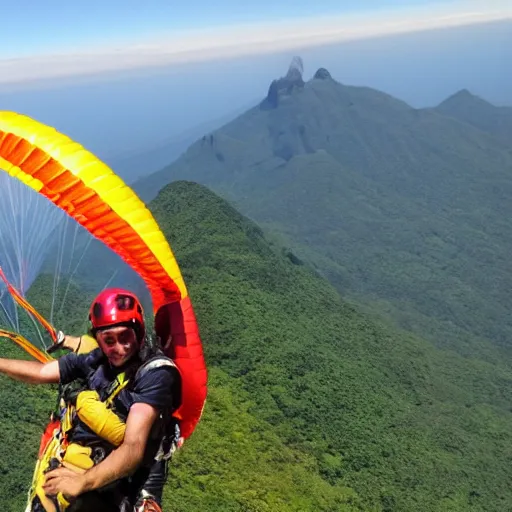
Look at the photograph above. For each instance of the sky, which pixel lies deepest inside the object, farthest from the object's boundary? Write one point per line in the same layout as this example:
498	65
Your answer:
130	79
61	38
122	76
54	25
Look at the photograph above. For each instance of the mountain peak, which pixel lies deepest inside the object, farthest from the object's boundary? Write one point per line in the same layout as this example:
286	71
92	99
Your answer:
322	74
464	98
295	70
474	110
285	85
463	93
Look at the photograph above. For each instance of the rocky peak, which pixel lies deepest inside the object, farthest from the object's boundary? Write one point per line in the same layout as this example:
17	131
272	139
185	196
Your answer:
285	85
322	74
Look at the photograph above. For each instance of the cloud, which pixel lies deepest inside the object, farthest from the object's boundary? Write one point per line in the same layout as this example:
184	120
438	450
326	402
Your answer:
245	40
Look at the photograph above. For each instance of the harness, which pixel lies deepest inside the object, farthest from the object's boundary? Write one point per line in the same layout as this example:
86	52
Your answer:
59	448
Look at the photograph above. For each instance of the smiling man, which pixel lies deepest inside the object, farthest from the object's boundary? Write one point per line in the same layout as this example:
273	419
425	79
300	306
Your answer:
139	384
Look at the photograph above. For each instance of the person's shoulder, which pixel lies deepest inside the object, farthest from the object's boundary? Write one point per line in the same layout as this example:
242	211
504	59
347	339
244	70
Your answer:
158	368
157	383
156	362
157	365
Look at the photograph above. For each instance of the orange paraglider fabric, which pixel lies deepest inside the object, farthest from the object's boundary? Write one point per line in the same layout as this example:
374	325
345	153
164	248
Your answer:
16	295
83	186
90	192
26	345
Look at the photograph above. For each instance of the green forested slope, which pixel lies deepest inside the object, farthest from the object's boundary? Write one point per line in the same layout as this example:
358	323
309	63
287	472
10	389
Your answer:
312	405
405	425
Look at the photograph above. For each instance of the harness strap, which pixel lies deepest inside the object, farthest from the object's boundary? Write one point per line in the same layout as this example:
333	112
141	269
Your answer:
157	362
121	383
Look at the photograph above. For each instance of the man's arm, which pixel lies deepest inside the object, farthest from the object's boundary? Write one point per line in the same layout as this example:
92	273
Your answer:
120	463
124	460
32	372
153	393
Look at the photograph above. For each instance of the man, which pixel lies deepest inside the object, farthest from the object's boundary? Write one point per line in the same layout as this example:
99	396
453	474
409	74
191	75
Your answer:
142	386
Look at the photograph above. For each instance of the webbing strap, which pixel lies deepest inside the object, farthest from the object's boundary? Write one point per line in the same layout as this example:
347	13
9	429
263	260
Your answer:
155	363
122	382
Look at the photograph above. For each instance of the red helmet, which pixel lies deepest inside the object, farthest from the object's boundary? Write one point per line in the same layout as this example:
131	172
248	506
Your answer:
115	306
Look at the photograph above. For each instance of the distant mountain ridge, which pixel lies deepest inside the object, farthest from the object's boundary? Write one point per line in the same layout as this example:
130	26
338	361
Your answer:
476	111
404	209
352	108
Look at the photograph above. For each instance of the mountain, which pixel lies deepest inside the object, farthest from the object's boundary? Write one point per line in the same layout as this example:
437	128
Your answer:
389	421
312	405
402	209
477	112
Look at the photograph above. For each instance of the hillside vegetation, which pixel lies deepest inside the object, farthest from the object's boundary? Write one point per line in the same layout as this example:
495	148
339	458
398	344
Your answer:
404	425
312	405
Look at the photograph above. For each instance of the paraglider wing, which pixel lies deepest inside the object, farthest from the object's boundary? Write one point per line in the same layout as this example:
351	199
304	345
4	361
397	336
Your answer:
83	186
90	192
26	345
27	306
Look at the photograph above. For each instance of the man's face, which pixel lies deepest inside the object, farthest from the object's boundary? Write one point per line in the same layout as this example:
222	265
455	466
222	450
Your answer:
119	344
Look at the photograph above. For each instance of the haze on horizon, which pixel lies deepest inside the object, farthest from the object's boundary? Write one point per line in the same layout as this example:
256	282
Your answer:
134	78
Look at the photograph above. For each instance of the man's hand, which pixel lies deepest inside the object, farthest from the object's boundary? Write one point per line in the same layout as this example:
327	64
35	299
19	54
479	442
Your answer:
65	341
69	483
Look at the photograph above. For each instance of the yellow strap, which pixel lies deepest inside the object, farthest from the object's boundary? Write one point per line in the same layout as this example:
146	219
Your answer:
66	423
122	382
63	502
52	450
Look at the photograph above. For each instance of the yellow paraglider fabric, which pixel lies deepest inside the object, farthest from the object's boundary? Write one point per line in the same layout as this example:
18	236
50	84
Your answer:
79	183
87	344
